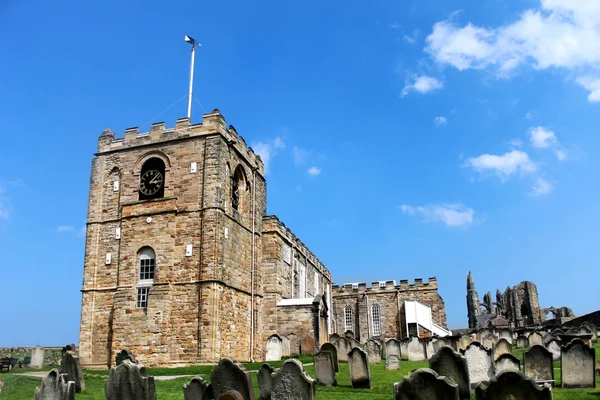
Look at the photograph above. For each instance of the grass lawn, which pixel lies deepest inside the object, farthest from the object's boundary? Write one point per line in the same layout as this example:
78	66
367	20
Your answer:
18	387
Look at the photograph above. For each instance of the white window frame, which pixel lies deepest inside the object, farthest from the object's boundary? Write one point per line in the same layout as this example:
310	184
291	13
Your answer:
144	285
141	300
301	280
348	319
354	286
382	285
376	319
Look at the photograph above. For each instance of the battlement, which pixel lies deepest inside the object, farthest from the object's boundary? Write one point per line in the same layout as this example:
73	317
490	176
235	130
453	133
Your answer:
272	224
213	123
387	285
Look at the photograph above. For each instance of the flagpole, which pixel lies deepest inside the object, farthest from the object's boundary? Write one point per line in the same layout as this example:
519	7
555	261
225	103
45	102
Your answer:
191	41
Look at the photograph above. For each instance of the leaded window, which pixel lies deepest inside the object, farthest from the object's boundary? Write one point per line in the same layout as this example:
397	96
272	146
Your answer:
142	297
376	317
348	319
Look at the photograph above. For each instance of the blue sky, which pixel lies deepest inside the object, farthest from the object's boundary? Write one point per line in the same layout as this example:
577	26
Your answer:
403	139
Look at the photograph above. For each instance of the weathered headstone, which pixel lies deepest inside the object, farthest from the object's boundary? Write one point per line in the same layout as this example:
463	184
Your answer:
464	341
55	387
404	348
360	373
537	364
506	361
265	381
554	347
274	348
324	369
535	338
330	348
444	341
373	350
505	334
229	375
502	347
355	343
286	350
333	337
291	382
349	335
392	362
511	385
446	362
343	348
577	363
71	365
425	384
231	395
429	347
416	349
129	381
37	357
197	389
487	338
479	360
392	347
124	355
522	342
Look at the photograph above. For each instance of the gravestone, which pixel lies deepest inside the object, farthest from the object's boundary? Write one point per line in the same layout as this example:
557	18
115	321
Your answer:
429	347
464	342
355	343
537	364
324	369
404	348
329	348
479	360
441	342
577	363
425	384
291	382
274	348
373	350
392	362
554	347
416	349
129	381
502	347
124	355
71	365
197	389
487	338
229	375
592	329
265	381
231	395
55	387
392	347
522	342
343	348
506	361
512	385
286	350
446	362
535	338
37	357
360	373
505	334
557	332
349	335
333	337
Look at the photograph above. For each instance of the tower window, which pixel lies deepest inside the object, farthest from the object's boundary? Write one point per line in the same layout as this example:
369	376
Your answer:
147	269
238	184
348	319
152	179
376	317
142	297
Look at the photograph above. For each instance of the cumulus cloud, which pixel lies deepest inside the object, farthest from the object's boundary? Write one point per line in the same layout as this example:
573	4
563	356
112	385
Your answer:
555	34
314	171
64	228
439	121
267	150
542	138
300	155
422	84
455	215
503	165
541	187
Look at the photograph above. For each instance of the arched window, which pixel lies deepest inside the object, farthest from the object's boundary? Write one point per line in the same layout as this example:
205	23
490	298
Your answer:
147	274
348	319
238	185
152	179
376	319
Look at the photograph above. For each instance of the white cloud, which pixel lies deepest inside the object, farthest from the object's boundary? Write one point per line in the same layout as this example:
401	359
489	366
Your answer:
438	121
64	228
422	84
542	138
455	215
267	150
555	34
300	155
515	143
314	171
541	187
504	165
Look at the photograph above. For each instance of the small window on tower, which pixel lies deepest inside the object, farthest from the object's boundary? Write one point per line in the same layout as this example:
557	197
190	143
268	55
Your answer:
238	186
147	276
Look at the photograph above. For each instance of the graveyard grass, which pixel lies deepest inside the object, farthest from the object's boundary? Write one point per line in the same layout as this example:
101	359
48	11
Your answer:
18	387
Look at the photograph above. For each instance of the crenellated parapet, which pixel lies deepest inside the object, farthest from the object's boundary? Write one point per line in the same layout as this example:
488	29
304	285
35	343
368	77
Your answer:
213	123
380	286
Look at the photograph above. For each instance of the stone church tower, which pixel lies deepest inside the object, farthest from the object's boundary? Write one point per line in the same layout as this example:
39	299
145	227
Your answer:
173	265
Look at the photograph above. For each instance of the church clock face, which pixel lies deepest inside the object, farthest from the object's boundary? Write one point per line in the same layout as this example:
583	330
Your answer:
151	182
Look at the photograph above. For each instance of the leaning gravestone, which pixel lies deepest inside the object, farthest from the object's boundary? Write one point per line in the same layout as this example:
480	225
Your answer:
55	387
124	355
392	347
197	389
554	347
425	384
360	373
274	348
265	381
291	382
343	348
392	362
535	338
355	343
373	350
416	349
37	357
333	337
505	334
329	348
71	365
129	381
577	363
502	347
464	341
479	360
446	362
324	369
511	385
229	375
537	364
506	361
522	342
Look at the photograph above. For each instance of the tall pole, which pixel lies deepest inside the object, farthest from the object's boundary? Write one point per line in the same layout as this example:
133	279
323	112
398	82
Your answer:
189	114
